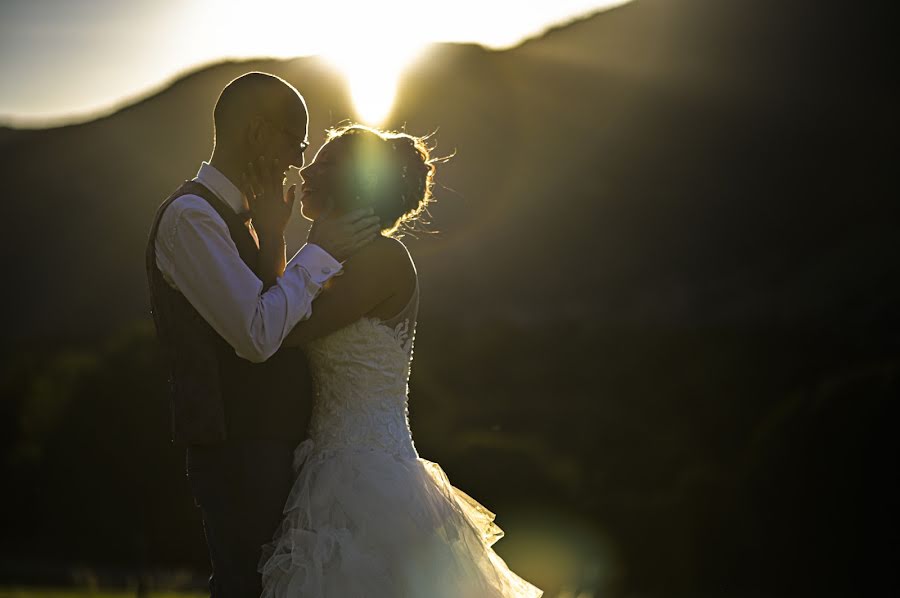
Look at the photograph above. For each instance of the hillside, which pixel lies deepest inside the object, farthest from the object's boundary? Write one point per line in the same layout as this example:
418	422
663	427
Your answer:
635	170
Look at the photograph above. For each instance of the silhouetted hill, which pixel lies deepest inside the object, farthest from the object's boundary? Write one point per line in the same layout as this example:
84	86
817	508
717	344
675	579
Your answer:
646	162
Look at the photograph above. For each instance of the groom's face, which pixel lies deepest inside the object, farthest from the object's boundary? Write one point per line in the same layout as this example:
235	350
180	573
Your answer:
287	139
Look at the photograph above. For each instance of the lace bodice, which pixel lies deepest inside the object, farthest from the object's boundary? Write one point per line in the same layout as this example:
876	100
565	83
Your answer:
360	375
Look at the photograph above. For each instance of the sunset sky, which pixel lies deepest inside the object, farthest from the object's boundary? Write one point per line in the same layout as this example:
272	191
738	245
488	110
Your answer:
63	60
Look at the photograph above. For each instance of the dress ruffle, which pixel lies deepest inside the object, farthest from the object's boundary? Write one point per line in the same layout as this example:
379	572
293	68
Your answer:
366	523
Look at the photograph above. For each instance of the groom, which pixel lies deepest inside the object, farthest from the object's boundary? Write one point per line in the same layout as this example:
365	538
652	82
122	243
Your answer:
223	299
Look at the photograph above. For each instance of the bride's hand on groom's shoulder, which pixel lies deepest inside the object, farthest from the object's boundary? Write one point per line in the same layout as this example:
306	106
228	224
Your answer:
342	236
270	206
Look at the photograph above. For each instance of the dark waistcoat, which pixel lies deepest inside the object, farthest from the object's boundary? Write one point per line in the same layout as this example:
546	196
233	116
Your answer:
216	395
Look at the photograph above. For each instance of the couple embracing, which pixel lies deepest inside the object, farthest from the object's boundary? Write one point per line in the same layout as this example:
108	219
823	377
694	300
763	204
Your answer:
289	378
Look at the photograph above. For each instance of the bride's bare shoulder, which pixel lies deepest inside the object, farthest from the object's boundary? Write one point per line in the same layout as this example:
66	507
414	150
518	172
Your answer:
386	252
386	256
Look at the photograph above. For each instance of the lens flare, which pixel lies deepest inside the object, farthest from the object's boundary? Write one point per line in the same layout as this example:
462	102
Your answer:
565	555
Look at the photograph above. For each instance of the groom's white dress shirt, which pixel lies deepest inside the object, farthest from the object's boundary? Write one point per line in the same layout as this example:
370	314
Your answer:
196	256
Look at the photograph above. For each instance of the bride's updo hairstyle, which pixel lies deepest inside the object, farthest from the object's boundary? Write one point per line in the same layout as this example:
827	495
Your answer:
391	172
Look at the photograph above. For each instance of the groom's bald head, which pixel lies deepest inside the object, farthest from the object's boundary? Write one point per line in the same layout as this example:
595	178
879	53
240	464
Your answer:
253	99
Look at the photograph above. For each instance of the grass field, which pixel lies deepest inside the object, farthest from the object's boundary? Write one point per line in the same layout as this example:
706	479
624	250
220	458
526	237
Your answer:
85	593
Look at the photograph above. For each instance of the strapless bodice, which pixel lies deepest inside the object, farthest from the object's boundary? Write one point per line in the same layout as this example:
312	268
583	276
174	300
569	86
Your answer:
360	375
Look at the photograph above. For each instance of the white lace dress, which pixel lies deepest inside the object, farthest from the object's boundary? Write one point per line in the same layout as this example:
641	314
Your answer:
367	518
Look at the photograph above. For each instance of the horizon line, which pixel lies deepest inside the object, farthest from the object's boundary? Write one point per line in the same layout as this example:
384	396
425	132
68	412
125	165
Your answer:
36	123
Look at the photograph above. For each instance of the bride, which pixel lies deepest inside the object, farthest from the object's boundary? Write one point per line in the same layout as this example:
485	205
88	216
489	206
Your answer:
367	517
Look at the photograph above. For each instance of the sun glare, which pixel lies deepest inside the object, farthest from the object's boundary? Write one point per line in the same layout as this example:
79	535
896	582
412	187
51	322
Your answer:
371	44
372	50
373	77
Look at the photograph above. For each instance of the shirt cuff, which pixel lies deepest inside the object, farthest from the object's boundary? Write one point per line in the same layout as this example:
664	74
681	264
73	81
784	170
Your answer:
317	262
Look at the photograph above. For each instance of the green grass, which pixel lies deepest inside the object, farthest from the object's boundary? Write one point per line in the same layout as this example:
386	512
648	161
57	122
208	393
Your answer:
86	593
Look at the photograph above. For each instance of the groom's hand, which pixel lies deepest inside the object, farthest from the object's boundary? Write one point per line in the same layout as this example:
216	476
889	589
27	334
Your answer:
270	205
344	235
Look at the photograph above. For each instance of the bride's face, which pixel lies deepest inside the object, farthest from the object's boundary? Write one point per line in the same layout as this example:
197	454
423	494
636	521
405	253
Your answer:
319	180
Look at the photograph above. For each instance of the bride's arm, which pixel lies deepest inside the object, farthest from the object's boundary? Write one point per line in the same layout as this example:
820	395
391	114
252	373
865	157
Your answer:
370	278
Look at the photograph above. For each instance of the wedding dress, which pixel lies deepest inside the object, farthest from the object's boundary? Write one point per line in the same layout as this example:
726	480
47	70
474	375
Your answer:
366	517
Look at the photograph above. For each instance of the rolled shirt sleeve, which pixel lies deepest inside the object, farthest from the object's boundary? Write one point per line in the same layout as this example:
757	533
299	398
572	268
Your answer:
196	255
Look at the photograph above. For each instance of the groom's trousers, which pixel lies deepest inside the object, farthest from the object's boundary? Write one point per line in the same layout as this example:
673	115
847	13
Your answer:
241	488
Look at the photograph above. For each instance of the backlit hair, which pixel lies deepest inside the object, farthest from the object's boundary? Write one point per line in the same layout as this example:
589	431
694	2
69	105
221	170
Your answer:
391	171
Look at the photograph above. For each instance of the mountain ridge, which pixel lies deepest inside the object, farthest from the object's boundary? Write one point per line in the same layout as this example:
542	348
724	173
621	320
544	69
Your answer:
575	122
154	89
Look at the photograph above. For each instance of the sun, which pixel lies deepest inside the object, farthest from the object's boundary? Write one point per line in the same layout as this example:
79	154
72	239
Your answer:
371	45
373	75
